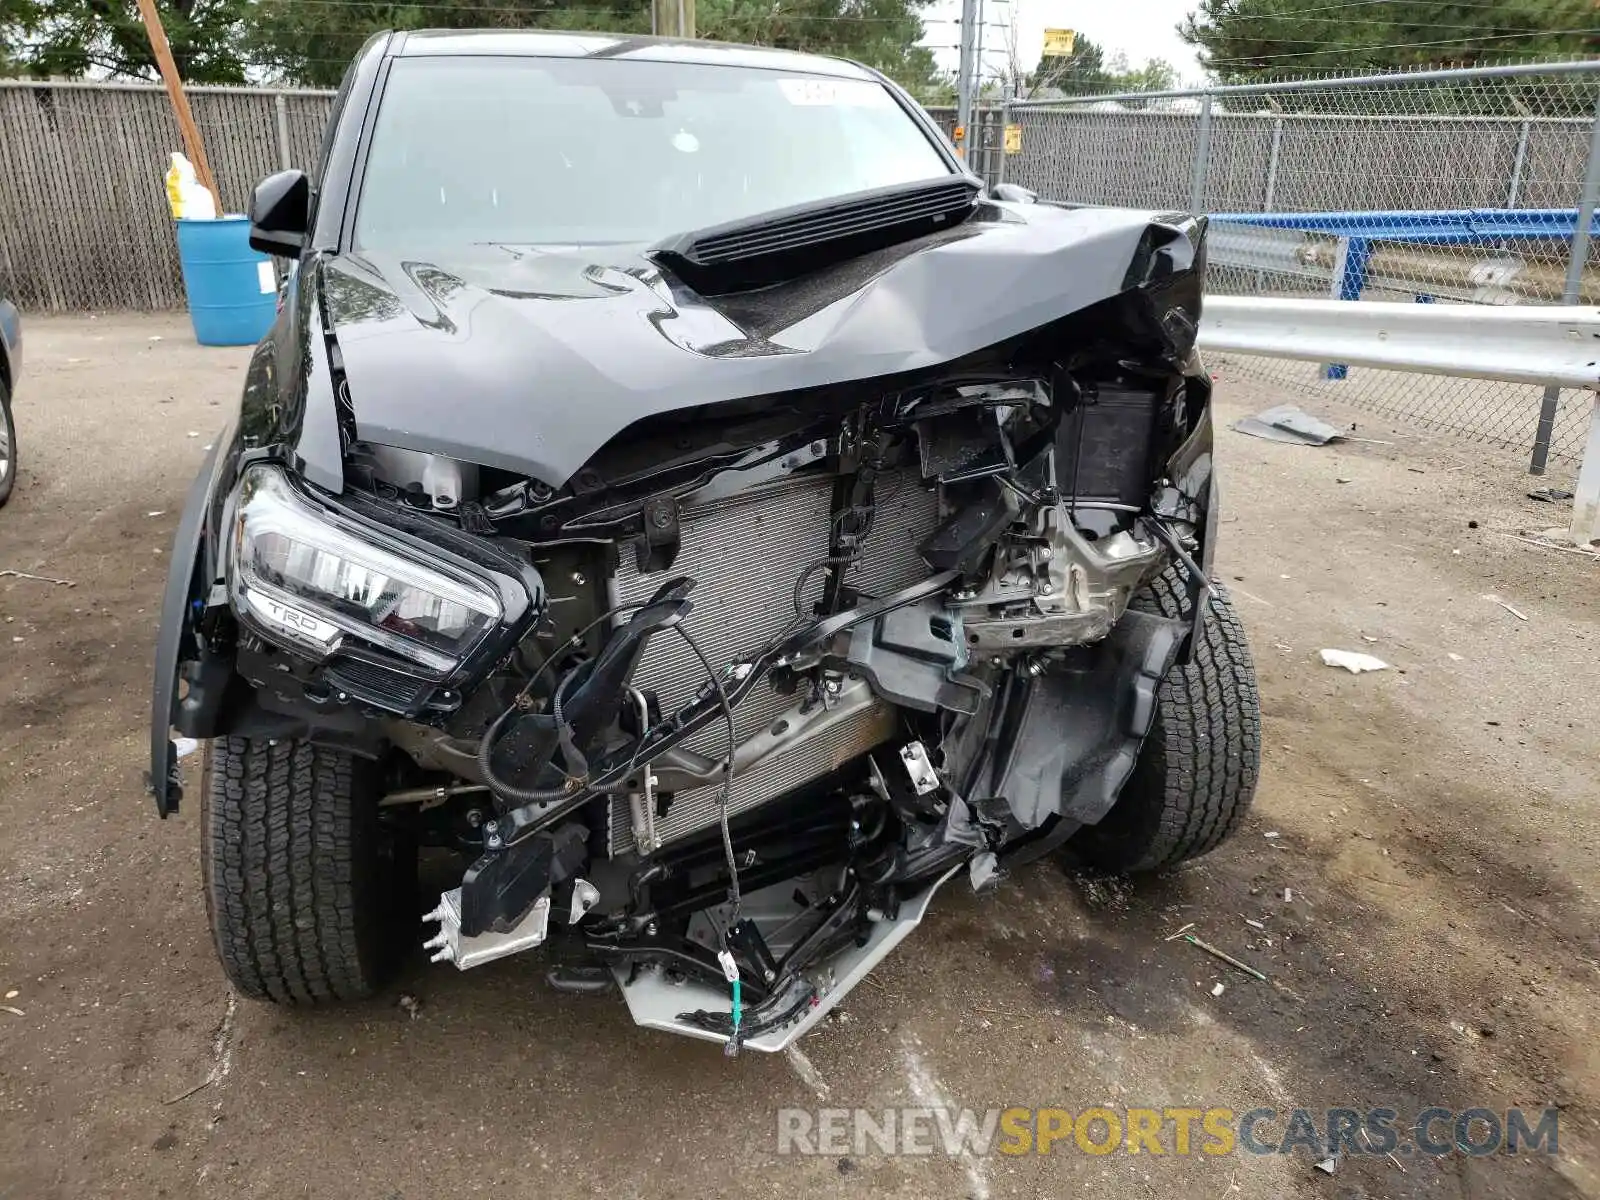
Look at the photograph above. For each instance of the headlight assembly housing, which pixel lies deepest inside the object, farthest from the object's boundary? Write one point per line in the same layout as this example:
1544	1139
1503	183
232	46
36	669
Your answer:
314	579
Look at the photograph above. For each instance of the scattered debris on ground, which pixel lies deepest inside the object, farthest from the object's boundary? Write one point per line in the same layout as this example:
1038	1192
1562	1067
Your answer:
221	1052
39	578
1224	956
1544	541
1550	495
1287	423
1515	612
1353	661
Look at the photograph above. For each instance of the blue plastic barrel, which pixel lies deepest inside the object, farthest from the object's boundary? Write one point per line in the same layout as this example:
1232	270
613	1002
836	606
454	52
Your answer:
232	293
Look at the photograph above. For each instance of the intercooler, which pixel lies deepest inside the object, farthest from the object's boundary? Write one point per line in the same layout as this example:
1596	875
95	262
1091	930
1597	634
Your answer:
745	553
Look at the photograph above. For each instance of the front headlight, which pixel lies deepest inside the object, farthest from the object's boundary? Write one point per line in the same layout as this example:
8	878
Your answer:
308	579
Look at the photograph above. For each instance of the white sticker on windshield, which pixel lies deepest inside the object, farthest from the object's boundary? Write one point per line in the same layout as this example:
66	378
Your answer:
846	93
266	279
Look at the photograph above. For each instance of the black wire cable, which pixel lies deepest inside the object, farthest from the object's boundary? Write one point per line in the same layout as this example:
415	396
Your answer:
574	642
727	774
837	560
486	744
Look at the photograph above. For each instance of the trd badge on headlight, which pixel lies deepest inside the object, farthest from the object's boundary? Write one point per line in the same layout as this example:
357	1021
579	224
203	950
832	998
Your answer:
310	577
294	622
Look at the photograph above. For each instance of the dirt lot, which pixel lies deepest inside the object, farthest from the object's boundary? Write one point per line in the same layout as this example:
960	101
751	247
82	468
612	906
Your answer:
1435	825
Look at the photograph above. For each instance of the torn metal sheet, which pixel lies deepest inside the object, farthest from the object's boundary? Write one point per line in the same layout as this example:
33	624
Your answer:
1286	423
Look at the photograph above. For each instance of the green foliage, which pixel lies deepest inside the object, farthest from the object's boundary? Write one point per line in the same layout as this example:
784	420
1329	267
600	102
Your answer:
306	43
1245	40
880	33
311	41
72	38
1088	70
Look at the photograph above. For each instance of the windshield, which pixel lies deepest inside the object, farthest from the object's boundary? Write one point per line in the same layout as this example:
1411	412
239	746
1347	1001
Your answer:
570	150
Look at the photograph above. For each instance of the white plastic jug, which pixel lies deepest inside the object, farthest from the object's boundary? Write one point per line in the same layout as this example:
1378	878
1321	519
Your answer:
189	199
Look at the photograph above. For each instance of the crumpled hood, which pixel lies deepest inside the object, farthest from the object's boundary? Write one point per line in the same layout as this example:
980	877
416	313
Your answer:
532	359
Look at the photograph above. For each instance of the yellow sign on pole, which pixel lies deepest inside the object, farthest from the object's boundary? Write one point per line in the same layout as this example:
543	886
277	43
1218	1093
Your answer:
1058	43
1013	139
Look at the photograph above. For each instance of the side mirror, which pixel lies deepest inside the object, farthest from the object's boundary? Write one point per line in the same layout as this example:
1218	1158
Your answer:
280	211
1013	194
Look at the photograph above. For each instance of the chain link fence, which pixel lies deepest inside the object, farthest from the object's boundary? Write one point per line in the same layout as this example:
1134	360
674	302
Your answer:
84	222
1437	187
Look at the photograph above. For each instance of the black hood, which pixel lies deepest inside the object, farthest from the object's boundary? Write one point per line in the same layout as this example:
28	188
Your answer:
532	359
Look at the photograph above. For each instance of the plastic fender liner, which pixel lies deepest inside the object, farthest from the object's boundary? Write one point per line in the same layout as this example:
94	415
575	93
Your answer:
1081	729
175	639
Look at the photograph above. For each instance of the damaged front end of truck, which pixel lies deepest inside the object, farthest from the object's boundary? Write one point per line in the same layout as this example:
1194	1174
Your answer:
748	589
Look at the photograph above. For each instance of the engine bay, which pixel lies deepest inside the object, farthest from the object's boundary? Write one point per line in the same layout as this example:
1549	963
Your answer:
776	691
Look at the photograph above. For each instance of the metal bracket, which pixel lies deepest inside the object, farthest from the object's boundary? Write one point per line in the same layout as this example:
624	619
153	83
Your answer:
657	550
923	777
584	897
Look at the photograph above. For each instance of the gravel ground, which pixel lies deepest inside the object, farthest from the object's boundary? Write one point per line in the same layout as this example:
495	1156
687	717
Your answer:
1434	826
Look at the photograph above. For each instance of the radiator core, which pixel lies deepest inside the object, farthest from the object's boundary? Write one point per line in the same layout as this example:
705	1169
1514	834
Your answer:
745	553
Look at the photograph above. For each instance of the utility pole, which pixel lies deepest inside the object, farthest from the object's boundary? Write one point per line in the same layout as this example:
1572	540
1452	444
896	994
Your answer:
964	72
180	102
975	151
672	18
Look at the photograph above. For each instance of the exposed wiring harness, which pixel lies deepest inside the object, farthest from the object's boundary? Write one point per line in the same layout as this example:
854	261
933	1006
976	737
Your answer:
730	965
837	560
574	759
727	773
855	540
491	736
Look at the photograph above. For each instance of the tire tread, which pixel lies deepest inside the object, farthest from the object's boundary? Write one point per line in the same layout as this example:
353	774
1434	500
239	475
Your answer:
1197	772
290	868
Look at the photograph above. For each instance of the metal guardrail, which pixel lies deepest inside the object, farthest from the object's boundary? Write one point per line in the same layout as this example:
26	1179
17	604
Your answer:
1555	346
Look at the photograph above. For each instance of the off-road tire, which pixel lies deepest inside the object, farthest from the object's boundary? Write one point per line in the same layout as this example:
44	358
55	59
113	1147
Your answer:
8	446
1196	772
307	897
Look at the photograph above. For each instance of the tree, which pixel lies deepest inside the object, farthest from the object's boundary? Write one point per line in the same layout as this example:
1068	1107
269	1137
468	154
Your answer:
1156	75
883	34
1082	71
311	41
1242	40
1088	70
73	38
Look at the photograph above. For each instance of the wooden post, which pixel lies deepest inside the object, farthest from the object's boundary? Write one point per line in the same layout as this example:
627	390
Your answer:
180	102
672	18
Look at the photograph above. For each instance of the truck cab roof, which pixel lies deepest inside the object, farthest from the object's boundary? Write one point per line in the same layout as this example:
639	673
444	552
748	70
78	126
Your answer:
541	43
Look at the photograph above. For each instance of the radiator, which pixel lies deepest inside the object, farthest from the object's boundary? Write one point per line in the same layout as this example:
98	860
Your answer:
745	553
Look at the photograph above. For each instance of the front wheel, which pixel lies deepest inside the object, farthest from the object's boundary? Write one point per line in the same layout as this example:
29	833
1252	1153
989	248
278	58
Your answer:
1196	773
308	898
